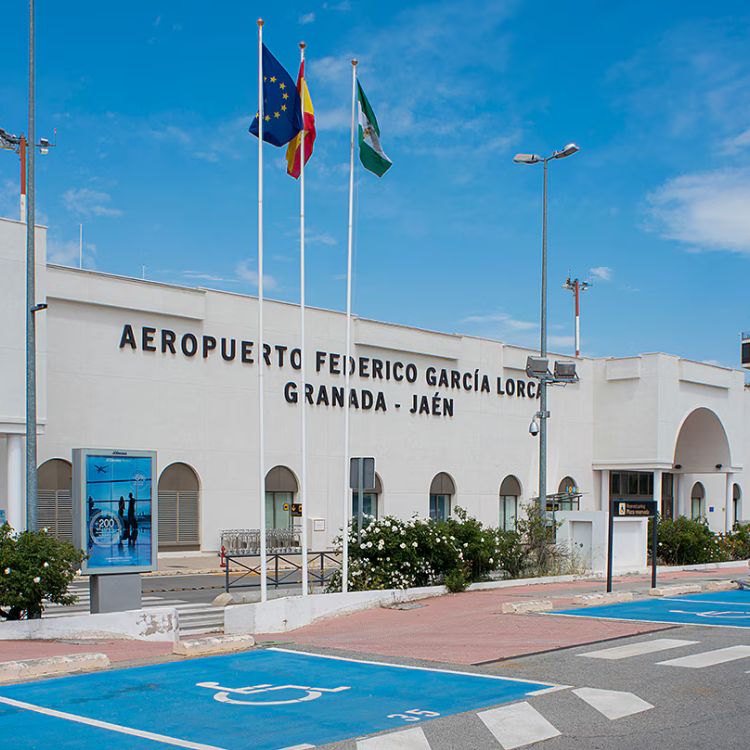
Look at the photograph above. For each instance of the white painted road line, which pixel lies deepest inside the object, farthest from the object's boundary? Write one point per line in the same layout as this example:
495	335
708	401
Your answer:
709	658
638	649
517	725
409	739
613	704
106	725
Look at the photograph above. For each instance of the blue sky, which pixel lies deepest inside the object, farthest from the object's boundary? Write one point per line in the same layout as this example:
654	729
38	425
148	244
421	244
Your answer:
152	101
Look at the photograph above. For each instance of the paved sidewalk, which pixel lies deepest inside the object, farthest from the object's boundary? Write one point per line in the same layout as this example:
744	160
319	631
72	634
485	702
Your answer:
116	650
469	628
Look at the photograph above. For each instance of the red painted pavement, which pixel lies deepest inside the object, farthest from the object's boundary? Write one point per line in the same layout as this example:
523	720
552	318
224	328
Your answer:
116	650
463	628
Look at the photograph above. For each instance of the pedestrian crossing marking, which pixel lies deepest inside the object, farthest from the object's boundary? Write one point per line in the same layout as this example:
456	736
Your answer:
709	658
407	739
614	704
638	649
517	725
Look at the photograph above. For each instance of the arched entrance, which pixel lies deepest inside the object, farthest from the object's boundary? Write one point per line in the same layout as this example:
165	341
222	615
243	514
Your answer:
697	501
179	508
55	503
442	490
736	504
281	490
371	500
702	446
510	492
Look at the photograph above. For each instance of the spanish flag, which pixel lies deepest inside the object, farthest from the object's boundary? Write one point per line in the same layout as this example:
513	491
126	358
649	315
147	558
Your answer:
308	128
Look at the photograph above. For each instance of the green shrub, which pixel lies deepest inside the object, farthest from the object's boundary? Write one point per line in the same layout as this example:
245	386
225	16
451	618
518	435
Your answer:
684	541
34	567
512	555
457	581
736	544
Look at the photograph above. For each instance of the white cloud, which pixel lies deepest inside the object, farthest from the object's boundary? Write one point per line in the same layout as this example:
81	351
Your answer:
503	318
67	253
306	18
601	273
737	143
706	210
88	202
9	199
245	272
562	341
201	276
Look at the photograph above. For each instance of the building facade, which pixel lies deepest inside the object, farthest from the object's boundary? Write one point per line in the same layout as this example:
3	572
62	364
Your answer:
132	364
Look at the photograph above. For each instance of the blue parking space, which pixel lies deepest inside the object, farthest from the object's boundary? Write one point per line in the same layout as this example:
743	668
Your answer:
729	609
264	700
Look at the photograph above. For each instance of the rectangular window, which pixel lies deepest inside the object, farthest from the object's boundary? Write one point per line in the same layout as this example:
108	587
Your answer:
615	483
278	510
632	483
696	508
369	505
440	507
508	512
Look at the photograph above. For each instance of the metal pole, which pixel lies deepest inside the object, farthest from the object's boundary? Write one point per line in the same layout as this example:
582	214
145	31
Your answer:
578	317
31	478
345	534
303	404
22	156
80	246
654	547
360	492
610	539
543	354
259	355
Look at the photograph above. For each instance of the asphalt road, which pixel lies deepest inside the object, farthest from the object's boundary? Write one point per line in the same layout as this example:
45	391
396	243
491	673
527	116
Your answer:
698	707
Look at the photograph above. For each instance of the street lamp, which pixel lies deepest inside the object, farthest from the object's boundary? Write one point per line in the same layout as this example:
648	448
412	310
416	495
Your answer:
543	414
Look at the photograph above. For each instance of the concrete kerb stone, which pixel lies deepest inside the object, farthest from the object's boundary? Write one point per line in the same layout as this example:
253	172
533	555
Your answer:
531	605
213	645
721	586
677	590
612	597
12	671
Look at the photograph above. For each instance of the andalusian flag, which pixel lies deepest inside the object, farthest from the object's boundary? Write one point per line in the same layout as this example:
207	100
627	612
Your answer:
371	153
293	150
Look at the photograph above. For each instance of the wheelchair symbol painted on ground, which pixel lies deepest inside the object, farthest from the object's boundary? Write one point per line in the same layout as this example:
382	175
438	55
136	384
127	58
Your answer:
713	613
223	694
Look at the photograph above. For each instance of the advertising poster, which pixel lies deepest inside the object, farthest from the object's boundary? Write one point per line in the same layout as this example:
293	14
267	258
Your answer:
117	510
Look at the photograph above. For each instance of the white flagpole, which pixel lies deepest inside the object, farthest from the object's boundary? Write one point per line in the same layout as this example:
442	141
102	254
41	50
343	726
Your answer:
347	494
259	354
303	403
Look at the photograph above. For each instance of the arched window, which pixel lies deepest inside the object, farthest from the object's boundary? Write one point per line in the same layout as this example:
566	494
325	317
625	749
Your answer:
442	490
568	496
736	503
281	489
55	504
371	500
510	491
697	501
179	508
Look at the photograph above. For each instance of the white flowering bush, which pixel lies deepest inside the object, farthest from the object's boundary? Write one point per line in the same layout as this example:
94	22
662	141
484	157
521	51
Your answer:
396	553
34	567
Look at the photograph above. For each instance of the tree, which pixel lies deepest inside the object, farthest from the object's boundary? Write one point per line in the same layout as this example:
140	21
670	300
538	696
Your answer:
34	567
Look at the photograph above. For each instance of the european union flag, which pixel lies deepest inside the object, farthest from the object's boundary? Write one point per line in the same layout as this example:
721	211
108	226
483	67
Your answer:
282	117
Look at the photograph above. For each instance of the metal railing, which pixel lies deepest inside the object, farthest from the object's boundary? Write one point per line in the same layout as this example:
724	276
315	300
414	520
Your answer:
247	541
281	569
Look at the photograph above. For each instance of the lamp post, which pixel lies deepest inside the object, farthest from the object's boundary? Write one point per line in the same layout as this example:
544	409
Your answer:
543	414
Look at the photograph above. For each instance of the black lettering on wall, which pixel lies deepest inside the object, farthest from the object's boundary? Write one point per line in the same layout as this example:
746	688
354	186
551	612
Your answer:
246	352
128	337
189	344
167	341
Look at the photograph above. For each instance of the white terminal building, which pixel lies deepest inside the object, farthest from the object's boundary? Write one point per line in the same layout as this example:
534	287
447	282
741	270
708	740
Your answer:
131	364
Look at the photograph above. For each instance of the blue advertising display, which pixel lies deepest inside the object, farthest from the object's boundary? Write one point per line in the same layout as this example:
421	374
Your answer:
116	510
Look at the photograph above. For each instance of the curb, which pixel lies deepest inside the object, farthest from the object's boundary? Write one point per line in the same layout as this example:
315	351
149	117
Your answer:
613	597
533	605
678	590
12	671
213	645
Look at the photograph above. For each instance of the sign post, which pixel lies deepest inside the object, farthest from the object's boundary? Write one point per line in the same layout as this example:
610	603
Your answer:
362	479
631	509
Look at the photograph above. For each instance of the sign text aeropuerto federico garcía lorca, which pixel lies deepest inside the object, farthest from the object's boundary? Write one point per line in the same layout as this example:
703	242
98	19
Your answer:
438	403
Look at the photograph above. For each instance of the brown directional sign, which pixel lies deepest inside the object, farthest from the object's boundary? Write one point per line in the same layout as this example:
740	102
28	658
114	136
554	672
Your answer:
296	509
633	508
